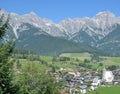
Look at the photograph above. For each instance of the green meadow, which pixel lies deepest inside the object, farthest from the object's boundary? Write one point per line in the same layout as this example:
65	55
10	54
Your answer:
106	60
107	90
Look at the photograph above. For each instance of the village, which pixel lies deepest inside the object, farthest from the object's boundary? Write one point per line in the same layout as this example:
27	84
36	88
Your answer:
84	81
73	74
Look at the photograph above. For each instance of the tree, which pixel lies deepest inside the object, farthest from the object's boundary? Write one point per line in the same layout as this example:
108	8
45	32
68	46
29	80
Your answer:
53	69
112	67
35	80
100	64
18	64
6	85
86	61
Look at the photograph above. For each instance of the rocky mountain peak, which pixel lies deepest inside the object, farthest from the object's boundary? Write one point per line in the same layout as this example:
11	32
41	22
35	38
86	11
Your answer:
107	14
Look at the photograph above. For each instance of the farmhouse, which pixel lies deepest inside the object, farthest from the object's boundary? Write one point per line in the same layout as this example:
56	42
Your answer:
83	89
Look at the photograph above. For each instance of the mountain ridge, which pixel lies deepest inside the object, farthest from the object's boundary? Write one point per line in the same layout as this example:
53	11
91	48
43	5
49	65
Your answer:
88	31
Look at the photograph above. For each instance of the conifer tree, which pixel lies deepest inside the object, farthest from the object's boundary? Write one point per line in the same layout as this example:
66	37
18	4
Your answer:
6	85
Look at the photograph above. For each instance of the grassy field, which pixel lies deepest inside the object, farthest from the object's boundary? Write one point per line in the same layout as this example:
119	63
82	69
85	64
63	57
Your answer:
75	60
82	56
46	58
111	60
32	64
107	90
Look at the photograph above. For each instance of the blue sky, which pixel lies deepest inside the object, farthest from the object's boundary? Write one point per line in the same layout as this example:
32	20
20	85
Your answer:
58	10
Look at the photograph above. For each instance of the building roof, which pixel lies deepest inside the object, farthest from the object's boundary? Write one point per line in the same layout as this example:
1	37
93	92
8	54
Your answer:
83	86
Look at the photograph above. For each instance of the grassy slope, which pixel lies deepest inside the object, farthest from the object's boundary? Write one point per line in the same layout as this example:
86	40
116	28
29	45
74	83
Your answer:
111	61
80	56
107	90
107	60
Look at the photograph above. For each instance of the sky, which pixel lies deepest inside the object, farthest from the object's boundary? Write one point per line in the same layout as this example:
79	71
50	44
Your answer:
57	10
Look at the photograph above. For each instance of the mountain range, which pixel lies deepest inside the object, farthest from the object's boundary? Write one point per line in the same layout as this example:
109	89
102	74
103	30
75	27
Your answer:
42	35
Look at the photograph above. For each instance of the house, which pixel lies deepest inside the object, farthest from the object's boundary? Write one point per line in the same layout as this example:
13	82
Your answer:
71	88
83	89
96	81
87	78
76	74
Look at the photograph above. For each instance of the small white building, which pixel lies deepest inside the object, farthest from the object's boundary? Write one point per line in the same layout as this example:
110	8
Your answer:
94	86
83	89
96	83
107	76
